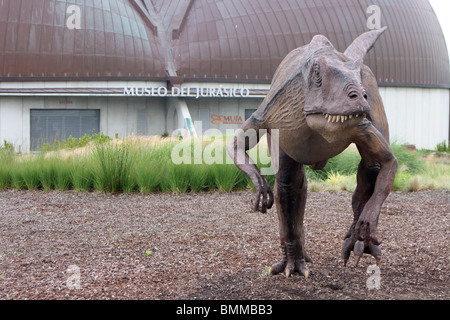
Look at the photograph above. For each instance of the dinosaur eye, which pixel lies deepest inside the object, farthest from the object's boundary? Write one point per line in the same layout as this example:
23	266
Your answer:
317	76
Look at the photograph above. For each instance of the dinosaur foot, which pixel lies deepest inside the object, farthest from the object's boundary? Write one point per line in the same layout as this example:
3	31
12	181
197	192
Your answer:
292	262
359	248
289	268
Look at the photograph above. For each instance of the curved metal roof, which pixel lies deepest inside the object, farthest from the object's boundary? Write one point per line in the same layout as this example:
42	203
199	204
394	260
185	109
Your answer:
248	39
213	40
113	41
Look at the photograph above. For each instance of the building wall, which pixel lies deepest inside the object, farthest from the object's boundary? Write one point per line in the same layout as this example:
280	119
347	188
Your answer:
229	113
417	116
118	115
12	122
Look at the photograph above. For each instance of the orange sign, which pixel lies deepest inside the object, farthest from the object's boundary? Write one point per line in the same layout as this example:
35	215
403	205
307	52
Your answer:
226	119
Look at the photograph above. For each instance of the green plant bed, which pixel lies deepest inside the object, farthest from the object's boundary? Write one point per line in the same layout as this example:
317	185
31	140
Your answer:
144	165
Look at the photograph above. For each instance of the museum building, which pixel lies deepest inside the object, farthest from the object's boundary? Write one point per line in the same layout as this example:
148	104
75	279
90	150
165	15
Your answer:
150	67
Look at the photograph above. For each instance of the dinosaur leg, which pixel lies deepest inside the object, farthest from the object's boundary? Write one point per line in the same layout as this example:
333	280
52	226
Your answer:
375	178
290	199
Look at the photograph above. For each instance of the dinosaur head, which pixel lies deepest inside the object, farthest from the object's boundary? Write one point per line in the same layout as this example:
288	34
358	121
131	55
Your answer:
335	97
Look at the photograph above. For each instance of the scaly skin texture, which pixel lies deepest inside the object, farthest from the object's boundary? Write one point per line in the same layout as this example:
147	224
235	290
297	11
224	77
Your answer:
320	102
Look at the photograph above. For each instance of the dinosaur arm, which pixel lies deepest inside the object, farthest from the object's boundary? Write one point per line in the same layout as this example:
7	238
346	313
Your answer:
245	139
375	151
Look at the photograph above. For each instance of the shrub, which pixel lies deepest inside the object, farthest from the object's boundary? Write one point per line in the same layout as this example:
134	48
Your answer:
442	147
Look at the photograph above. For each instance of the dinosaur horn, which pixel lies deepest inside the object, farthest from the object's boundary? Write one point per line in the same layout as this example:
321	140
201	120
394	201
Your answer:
361	45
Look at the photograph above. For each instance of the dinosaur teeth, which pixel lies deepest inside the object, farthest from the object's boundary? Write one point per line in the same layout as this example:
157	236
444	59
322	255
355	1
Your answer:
339	118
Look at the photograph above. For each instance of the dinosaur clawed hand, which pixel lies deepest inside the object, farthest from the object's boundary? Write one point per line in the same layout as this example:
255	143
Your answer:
361	240
264	196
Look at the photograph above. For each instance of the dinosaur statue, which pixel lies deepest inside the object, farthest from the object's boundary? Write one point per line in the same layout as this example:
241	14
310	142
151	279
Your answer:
321	101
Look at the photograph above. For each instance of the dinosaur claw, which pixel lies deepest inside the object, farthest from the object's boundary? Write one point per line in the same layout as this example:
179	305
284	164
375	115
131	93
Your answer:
305	273
277	268
358	250
288	272
376	252
300	267
357	261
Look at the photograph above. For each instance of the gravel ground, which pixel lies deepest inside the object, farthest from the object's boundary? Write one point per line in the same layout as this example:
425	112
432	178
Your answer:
68	245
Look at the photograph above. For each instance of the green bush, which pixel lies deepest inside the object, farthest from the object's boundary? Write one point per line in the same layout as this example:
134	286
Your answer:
409	160
442	147
72	143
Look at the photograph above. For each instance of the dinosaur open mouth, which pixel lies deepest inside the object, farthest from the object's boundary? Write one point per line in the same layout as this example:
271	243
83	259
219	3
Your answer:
341	118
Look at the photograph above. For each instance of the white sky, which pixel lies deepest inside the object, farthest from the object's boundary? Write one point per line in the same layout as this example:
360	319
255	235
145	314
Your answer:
442	10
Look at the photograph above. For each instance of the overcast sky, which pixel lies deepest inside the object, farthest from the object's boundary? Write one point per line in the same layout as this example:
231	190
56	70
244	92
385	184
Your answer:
442	9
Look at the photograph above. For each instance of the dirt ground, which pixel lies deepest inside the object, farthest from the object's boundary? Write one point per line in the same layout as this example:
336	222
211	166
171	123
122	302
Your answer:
68	245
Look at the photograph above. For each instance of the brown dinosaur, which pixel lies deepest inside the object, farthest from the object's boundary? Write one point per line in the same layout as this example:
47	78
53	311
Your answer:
321	101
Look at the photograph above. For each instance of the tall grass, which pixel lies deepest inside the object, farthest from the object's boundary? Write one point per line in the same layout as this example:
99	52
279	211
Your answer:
148	174
114	167
200	178
135	165
82	175
228	177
